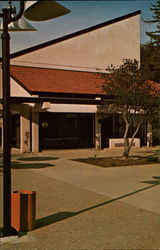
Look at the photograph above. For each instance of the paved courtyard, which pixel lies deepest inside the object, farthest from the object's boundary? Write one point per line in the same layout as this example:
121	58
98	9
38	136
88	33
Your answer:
81	206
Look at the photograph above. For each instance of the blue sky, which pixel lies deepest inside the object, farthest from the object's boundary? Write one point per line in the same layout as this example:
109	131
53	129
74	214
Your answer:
83	14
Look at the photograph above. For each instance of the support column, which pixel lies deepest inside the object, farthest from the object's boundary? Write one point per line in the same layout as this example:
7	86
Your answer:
25	132
35	132
97	131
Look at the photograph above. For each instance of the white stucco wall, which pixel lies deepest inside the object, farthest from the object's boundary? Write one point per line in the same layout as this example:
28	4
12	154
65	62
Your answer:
64	108
17	90
95	49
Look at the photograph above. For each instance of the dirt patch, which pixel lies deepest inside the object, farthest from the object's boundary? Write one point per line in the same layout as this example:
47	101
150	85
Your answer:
107	162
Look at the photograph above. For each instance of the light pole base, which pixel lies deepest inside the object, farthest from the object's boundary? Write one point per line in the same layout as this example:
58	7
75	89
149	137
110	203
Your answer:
5	232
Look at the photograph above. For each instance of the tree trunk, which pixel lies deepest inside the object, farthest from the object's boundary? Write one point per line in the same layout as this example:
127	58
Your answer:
127	144
126	148
126	139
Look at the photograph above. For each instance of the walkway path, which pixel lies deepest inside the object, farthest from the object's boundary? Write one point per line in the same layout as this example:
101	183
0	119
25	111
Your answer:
137	183
80	206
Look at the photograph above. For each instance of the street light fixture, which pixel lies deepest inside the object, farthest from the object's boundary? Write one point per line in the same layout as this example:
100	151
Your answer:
36	11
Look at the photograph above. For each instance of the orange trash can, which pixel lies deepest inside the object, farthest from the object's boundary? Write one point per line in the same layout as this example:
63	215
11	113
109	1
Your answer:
23	210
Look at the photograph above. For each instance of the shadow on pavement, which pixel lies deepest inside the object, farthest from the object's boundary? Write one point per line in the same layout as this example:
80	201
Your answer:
154	182
17	165
45	221
20	165
42	158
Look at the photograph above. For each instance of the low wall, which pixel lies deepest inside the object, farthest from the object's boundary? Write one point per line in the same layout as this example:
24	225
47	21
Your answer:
119	142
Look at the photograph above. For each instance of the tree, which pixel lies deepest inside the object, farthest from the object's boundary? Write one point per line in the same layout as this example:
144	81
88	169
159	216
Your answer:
150	52
155	35
135	98
150	61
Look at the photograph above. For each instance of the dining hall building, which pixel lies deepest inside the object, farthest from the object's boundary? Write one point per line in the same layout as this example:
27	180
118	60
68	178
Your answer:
55	89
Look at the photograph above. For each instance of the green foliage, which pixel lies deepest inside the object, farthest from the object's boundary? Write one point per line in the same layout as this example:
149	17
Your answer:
132	95
150	61
150	52
155	35
129	88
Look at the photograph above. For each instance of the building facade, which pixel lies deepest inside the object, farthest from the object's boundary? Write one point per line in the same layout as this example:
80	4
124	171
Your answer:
55	89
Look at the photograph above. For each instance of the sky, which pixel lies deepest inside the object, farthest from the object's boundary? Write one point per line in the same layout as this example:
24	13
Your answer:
83	14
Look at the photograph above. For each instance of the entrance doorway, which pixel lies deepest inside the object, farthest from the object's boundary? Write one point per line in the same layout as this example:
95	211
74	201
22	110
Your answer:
15	131
65	130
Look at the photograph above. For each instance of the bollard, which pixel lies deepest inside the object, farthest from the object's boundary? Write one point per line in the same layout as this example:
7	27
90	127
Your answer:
23	210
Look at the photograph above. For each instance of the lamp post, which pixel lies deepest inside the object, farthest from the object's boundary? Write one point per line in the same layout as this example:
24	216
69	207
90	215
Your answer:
6	15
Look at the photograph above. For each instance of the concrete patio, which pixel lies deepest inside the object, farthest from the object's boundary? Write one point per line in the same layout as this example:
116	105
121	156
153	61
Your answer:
81	206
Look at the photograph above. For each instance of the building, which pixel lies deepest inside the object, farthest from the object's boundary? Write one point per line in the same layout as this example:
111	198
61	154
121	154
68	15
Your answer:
55	90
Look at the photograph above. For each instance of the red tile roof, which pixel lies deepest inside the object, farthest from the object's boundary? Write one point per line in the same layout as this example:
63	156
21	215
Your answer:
42	80
56	80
